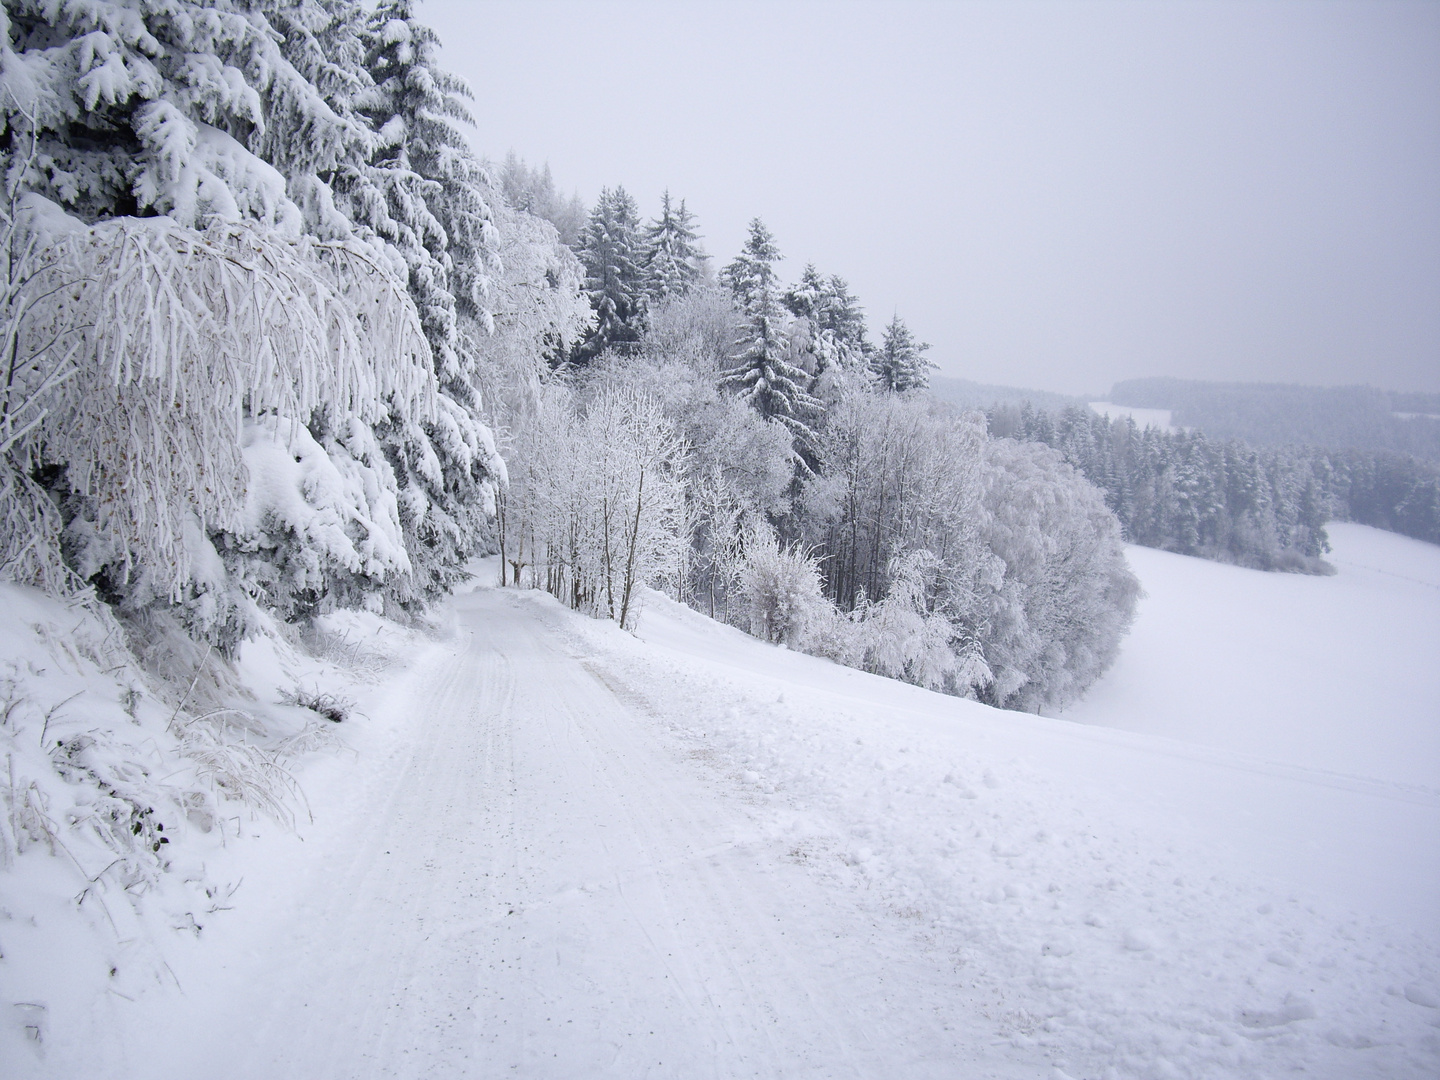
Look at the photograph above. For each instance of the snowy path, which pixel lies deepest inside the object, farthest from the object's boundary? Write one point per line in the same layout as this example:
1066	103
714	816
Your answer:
542	889
562	850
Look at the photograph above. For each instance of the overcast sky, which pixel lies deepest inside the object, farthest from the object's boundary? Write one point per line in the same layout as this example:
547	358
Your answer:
1055	195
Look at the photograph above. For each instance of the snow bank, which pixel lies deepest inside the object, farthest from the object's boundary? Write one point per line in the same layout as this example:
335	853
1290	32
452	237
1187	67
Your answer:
124	798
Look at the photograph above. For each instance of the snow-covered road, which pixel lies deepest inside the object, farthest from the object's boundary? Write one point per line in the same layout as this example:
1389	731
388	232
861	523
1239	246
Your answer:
533	885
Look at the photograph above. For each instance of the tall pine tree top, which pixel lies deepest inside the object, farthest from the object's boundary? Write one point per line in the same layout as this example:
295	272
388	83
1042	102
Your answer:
751	277
672	257
900	364
765	375
422	188
837	322
614	280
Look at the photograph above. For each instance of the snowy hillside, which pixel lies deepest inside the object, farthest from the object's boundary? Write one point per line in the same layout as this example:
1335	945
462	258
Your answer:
551	848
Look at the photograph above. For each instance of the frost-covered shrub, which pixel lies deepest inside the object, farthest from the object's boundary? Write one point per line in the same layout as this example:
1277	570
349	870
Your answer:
1053	623
903	636
781	587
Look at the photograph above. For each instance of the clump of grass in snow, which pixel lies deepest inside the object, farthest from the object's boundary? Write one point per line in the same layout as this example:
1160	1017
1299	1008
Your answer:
330	706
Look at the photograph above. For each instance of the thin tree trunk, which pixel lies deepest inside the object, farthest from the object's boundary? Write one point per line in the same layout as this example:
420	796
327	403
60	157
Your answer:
634	542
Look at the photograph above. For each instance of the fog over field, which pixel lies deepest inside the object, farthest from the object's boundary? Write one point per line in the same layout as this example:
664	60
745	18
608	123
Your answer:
1056	195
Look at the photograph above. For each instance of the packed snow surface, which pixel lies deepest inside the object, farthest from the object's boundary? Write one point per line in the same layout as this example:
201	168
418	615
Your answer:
553	849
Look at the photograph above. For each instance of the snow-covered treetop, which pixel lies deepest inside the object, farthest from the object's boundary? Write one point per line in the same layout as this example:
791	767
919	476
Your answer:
671	255
900	363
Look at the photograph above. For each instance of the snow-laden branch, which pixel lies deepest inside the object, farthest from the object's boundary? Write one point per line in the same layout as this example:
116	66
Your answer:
139	347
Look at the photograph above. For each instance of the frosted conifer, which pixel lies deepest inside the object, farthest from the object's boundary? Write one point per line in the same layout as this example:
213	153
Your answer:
614	281
672	257
900	363
765	376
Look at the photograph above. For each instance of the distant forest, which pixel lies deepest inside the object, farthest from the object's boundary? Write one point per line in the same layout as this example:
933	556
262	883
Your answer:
1273	414
1259	506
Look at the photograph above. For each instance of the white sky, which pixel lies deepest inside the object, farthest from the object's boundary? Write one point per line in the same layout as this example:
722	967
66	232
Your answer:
1055	195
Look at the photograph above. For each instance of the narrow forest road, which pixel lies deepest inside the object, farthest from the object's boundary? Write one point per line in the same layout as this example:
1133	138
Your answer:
538	885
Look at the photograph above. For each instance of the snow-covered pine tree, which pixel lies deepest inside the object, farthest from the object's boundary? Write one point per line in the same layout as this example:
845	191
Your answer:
835	335
614	279
188	109
423	192
252	112
672	258
900	363
533	191
435	185
765	376
175	349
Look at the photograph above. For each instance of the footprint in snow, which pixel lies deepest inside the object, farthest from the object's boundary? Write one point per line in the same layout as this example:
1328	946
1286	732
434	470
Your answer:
1296	1007
961	788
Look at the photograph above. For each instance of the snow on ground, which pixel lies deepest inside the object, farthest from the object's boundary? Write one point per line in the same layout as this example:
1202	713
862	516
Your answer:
1333	677
1336	673
1156	418
555	849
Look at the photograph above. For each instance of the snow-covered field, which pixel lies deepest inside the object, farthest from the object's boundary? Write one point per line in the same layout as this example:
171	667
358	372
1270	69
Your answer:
550	848
1156	418
1331	680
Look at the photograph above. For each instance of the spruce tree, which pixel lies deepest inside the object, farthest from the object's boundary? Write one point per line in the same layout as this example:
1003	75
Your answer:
837	333
900	364
671	256
765	375
614	280
423	192
309	117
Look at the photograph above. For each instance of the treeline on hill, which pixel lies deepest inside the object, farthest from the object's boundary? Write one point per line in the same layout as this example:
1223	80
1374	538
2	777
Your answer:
278	343
742	443
1263	507
1272	414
